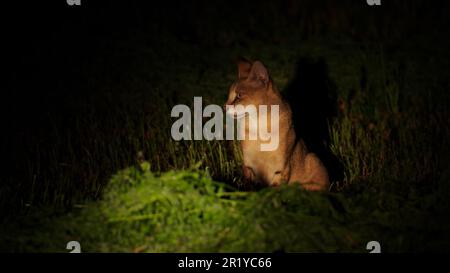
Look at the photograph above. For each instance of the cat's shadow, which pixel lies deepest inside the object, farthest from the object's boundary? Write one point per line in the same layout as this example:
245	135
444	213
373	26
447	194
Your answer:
313	100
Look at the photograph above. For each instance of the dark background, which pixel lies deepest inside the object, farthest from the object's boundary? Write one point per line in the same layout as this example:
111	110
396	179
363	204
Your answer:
56	56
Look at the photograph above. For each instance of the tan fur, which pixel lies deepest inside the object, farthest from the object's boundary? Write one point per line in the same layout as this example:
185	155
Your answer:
290	162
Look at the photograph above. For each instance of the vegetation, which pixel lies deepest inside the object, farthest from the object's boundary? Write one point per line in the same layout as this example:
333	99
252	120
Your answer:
101	167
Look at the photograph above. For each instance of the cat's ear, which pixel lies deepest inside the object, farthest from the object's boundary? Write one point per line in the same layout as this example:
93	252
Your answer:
259	72
244	67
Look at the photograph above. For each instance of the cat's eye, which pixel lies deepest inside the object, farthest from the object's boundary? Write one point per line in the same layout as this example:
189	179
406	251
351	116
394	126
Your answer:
238	95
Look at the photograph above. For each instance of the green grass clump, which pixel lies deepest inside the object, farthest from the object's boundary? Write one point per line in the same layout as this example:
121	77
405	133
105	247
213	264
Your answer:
186	211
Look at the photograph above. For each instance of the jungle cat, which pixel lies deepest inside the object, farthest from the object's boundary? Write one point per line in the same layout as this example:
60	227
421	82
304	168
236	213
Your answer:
290	162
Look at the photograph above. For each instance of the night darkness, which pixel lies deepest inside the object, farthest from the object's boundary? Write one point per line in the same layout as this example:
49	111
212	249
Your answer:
85	115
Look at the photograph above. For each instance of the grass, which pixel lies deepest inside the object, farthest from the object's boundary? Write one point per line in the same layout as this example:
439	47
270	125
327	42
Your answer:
102	168
186	211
